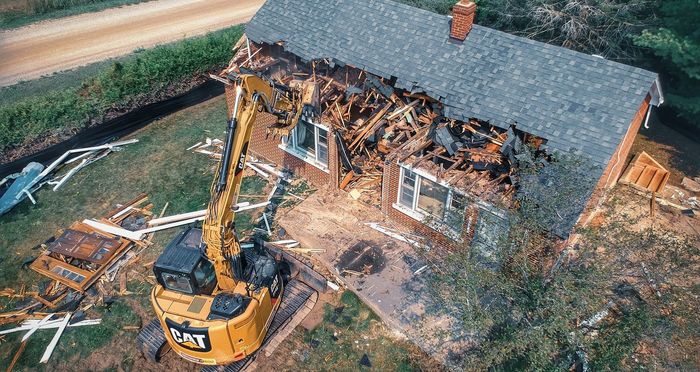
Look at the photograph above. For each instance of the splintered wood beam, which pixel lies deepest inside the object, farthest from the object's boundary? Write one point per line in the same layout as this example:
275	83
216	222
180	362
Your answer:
422	147
369	127
399	137
402	110
458	178
346	180
19	352
498	179
422	159
327	86
456	164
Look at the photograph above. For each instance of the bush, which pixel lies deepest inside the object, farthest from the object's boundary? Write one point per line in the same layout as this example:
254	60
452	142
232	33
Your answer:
53	112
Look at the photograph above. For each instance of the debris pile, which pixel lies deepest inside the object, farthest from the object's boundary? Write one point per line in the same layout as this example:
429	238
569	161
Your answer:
82	264
375	123
81	255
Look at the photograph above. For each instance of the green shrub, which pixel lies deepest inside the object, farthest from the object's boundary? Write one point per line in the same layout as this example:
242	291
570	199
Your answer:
53	112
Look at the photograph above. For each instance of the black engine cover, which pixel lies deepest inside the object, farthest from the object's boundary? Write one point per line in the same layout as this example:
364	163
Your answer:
228	306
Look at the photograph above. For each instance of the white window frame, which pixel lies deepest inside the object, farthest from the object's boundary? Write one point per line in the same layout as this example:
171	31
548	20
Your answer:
415	212
289	144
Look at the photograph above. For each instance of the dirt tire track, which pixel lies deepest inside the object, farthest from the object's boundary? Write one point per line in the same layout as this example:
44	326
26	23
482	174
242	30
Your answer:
39	49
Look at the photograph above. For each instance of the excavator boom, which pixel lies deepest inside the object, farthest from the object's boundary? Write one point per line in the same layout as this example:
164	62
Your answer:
216	303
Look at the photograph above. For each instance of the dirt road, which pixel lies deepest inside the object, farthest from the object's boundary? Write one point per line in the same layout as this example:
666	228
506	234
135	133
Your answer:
35	50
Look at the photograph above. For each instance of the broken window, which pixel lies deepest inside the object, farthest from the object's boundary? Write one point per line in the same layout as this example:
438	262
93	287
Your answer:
311	141
408	188
429	198
68	274
432	198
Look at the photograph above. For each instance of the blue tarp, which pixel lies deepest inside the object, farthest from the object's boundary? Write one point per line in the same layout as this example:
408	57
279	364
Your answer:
14	193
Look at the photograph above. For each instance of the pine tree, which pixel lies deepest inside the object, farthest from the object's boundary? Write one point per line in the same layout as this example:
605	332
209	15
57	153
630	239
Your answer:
677	43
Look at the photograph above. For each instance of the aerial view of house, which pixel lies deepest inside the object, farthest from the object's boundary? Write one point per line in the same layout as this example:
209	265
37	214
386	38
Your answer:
349	185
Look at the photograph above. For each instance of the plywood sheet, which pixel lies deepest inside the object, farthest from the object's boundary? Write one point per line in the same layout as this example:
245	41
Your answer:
644	172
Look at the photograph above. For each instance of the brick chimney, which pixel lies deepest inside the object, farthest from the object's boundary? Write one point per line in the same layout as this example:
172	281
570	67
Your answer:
462	19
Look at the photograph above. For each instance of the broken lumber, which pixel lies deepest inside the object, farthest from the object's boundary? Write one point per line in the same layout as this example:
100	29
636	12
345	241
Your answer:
56	337
131	235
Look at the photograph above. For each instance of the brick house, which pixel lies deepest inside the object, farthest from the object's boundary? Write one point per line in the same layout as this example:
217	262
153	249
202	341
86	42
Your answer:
562	100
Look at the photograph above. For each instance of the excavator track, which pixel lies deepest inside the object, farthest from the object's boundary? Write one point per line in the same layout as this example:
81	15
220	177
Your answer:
297	301
151	341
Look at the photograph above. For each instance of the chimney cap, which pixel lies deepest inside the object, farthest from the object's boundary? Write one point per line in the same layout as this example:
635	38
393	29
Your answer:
464	6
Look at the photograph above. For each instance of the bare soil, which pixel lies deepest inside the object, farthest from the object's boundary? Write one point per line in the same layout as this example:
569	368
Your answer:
46	47
671	148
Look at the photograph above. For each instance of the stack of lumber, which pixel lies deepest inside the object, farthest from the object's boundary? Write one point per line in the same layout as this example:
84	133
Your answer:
645	173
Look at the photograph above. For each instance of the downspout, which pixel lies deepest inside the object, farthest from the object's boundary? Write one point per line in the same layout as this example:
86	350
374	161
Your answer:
646	121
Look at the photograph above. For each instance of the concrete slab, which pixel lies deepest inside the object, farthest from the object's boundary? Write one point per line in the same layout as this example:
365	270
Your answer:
387	274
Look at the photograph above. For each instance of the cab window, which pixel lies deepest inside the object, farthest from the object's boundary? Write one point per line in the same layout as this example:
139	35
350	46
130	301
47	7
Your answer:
176	282
204	274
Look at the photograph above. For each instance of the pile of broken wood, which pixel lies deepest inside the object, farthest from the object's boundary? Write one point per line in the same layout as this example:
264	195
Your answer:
374	122
82	264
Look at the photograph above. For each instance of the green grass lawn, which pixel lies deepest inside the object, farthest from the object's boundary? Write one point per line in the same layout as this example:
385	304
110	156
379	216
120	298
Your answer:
13	18
348	332
60	80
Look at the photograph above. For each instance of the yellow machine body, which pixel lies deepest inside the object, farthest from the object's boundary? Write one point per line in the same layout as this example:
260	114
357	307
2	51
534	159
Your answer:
212	342
214	303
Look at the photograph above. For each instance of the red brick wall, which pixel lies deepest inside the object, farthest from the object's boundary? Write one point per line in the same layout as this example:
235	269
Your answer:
438	240
616	167
266	147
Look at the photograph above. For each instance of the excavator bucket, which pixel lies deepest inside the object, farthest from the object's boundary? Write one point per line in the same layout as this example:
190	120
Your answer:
299	268
307	106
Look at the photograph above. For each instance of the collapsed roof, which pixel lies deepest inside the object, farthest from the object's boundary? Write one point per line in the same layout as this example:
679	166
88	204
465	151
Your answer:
573	100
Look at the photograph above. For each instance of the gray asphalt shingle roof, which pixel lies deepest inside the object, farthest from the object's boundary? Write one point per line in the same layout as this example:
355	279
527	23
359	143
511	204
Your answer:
574	100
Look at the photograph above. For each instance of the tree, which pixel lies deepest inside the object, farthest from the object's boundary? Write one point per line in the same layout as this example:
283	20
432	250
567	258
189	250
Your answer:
677	43
533	304
604	27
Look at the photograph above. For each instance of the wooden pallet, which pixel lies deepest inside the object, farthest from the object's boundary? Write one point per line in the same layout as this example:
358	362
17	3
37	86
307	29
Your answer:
646	173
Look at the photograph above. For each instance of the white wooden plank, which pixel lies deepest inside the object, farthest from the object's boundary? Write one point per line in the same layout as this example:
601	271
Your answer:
54	341
258	171
131	235
37	326
179	217
170	225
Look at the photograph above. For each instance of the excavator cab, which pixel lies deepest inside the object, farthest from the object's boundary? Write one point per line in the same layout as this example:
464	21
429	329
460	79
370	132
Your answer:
182	267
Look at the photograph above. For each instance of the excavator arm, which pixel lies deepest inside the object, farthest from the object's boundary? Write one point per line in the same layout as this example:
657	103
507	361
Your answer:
252	95
213	306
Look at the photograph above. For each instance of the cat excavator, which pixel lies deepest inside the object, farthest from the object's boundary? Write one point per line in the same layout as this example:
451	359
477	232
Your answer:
217	304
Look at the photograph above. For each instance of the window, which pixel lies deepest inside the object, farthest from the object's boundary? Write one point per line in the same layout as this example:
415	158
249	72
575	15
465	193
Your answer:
429	198
70	275
310	142
177	282
204	273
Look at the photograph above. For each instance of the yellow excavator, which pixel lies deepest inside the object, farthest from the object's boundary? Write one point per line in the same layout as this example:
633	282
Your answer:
217	304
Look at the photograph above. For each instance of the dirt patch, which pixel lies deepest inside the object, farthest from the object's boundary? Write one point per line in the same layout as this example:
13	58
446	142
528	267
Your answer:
672	149
364	257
